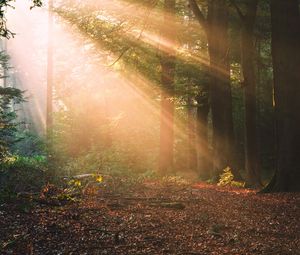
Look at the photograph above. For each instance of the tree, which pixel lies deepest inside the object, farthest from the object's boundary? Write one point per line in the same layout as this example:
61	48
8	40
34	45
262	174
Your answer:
204	158
216	29
249	84
167	101
191	129
8	124
49	118
8	95
285	19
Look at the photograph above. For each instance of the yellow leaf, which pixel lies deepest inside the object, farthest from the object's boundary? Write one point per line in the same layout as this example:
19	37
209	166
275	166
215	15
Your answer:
77	183
99	178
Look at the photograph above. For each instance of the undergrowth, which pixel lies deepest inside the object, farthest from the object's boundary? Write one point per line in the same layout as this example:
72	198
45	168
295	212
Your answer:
22	174
227	179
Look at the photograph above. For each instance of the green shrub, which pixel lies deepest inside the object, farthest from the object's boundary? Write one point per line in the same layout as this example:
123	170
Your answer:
22	174
227	179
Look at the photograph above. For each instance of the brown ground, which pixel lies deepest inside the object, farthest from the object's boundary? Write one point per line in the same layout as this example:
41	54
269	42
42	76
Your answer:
156	218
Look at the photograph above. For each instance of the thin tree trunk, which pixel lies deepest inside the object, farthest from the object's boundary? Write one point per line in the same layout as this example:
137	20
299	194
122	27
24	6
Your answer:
166	154
5	73
204	158
192	122
248	69
192	141
49	111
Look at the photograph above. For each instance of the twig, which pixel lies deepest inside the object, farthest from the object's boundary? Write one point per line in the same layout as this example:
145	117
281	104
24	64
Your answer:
199	15
138	38
238	10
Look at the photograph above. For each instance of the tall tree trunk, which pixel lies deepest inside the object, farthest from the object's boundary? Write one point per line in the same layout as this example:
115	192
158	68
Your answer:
166	154
49	96
204	158
286	65
192	154
192	141
49	117
248	69
5	73
220	89
216	29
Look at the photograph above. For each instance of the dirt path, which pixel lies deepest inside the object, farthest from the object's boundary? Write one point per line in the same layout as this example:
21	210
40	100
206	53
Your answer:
157	219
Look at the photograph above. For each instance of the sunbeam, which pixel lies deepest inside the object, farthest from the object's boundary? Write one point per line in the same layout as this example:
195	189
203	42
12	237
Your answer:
124	102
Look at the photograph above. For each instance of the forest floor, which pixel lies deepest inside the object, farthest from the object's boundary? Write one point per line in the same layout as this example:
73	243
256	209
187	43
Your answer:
156	218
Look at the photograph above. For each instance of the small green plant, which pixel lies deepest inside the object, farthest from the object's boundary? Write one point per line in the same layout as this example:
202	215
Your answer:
238	184
227	179
55	195
21	174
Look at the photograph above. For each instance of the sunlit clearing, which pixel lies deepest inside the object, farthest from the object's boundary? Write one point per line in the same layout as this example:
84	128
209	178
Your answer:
105	109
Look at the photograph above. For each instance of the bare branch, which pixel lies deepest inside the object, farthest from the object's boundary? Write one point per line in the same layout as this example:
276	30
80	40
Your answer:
199	15
238	10
138	37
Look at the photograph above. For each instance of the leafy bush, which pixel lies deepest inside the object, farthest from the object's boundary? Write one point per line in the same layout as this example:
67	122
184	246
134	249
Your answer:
29	144
227	179
22	174
94	161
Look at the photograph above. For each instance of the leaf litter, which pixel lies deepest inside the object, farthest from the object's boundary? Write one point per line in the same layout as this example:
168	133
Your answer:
155	217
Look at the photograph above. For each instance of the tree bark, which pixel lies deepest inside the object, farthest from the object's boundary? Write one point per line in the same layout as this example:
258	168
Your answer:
166	154
285	20
252	165
49	117
216	29
49	96
192	141
204	157
220	89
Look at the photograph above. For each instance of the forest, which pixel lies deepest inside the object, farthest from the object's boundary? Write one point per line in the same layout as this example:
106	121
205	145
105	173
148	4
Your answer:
150	127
